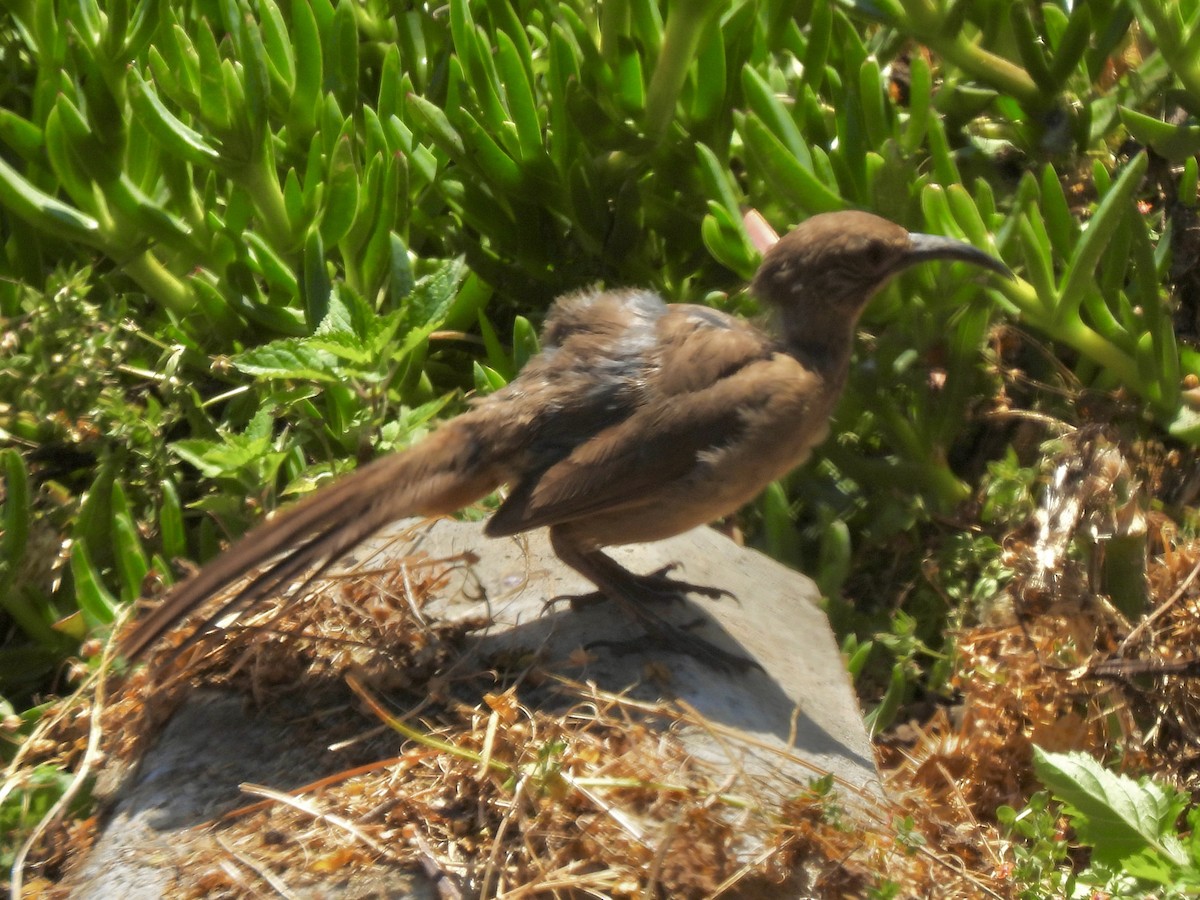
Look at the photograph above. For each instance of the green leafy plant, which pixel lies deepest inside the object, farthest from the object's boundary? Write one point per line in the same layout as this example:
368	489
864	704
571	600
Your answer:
1039	848
22	810
246	244
1130	827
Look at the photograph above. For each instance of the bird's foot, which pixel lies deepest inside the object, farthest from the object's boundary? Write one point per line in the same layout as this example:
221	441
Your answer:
655	587
638	595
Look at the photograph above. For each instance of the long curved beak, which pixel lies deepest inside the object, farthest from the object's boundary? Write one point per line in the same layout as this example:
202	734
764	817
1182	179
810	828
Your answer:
925	247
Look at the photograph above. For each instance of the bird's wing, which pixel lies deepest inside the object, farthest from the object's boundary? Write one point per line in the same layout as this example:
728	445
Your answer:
590	375
710	377
578	385
448	470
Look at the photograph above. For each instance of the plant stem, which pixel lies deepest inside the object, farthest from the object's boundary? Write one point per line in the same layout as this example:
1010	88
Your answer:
154	278
928	25
614	25
995	70
261	182
1075	333
932	472
1170	44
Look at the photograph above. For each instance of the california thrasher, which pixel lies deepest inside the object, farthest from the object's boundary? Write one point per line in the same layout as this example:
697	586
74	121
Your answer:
638	421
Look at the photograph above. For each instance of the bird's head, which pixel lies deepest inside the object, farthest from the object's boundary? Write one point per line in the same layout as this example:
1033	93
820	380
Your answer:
835	262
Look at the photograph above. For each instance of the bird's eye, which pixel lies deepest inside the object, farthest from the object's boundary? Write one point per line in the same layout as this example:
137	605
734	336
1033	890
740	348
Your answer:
876	255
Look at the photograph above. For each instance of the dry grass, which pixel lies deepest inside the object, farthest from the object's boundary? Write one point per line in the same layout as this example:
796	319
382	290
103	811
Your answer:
588	793
593	794
1057	666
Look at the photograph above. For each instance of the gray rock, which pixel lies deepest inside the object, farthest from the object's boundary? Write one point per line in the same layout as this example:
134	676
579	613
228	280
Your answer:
781	727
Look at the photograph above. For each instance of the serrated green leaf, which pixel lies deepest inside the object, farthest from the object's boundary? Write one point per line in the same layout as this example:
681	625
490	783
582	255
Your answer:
1113	813
288	358
349	348
344	316
433	295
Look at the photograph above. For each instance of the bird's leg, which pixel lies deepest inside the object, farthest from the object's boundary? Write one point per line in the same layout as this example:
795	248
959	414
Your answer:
637	595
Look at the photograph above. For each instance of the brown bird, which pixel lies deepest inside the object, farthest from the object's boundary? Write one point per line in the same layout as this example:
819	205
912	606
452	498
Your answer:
638	420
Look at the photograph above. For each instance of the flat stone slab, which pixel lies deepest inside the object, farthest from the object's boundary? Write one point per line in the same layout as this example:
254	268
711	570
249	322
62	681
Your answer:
793	721
803	693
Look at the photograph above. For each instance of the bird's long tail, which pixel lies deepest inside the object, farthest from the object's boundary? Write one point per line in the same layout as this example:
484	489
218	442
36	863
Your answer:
443	473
